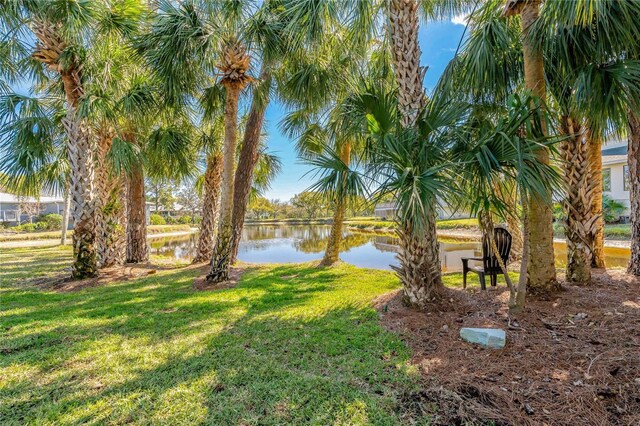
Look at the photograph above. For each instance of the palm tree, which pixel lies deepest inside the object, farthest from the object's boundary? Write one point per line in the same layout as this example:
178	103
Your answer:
589	55
541	272
211	184
182	48
234	66
499	158
634	191
60	36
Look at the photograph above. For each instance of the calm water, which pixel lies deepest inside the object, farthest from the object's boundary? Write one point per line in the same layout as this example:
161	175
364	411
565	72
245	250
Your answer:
303	243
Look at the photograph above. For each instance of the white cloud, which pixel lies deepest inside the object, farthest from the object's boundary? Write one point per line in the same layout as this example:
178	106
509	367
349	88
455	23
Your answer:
460	19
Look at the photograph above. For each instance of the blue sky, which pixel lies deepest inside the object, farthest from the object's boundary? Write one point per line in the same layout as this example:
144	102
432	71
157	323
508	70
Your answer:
438	41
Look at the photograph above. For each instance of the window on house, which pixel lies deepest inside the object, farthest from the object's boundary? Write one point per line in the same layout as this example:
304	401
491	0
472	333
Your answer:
625	173
606	180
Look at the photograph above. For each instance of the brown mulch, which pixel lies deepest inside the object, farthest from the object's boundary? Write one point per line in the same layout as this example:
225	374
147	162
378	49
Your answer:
64	283
235	274
572	360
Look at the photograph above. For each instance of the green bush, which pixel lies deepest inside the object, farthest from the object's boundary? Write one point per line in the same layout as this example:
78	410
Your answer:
156	219
51	221
186	219
171	220
27	227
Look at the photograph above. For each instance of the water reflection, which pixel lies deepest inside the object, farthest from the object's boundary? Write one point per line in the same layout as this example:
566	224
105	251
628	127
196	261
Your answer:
303	243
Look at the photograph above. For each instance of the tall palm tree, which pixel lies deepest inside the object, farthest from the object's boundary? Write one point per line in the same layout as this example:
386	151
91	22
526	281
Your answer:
234	66
498	157
589	55
633	156
541	272
211	186
60	36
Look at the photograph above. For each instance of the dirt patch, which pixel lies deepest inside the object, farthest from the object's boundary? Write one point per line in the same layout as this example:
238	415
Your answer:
235	274
64	282
574	359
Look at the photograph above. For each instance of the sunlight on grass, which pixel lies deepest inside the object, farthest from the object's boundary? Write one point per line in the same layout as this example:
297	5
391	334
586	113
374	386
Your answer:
290	344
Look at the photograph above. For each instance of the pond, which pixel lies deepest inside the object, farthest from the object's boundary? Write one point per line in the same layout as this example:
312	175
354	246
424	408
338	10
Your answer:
303	243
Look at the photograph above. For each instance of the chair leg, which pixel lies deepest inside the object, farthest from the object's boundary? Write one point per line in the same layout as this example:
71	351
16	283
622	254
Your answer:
494	280
483	284
464	278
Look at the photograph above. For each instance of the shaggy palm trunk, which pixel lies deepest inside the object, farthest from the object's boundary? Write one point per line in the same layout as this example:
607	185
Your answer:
137	249
80	149
65	215
633	160
212	178
579	188
403	18
332	252
246	165
595	170
420	274
111	218
541	271
83	200
419	257
221	259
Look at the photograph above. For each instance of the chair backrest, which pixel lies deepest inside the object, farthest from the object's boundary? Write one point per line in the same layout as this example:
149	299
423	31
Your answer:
503	242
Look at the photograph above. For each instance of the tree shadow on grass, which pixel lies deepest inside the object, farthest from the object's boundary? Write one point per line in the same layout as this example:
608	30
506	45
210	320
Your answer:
286	339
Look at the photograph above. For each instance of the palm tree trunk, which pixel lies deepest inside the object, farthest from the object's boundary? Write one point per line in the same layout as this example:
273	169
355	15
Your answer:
111	217
80	149
247	163
137	248
595	170
212	178
83	198
419	257
579	188
521	290
332	252
633	160
65	214
403	18
221	259
419	269
541	272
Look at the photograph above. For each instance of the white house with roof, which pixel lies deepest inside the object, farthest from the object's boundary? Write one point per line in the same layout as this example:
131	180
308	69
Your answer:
12	207
615	172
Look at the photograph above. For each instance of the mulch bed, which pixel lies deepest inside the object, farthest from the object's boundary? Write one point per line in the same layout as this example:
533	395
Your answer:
572	360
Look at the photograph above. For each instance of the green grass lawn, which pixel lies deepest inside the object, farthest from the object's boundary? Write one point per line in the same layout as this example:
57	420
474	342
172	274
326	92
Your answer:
290	344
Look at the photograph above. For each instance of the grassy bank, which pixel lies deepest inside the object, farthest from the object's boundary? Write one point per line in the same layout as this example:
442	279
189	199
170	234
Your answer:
291	344
612	231
48	235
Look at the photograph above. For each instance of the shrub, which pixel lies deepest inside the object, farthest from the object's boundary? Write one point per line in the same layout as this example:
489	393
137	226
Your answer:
156	219
171	220
51	222
186	219
27	227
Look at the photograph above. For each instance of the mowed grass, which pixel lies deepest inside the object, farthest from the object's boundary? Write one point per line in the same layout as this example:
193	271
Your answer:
291	344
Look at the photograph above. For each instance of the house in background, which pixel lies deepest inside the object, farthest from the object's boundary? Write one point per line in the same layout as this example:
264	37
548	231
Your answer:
386	211
15	210
615	172
615	183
